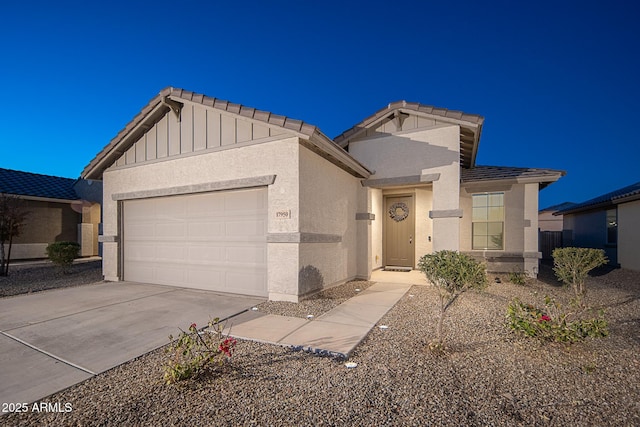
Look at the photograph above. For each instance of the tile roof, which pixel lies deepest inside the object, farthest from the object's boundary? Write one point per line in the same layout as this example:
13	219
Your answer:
494	173
609	199
559	207
36	185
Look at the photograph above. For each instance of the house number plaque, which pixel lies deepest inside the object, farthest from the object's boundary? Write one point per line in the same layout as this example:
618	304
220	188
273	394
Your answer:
283	214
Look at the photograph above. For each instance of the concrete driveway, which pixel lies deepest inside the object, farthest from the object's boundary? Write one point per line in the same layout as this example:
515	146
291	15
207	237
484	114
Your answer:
54	339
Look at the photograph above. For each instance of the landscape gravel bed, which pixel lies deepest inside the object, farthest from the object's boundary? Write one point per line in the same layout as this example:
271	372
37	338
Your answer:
488	375
317	304
36	277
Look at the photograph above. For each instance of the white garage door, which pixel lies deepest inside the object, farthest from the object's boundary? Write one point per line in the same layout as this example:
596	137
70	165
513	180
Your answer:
215	241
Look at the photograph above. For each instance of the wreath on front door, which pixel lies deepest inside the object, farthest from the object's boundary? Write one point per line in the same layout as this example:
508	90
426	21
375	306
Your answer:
399	211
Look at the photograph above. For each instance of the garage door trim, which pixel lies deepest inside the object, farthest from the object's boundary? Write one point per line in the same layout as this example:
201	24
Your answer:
207	187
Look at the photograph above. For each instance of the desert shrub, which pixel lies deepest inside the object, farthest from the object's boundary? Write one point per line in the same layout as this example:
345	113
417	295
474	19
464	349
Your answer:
554	323
195	351
451	273
62	254
517	278
572	266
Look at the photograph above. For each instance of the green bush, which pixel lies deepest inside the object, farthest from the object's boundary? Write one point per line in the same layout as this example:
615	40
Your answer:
517	278
553	323
572	266
62	254
451	273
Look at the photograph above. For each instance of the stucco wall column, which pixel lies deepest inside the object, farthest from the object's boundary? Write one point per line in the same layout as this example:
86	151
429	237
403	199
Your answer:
531	253
364	217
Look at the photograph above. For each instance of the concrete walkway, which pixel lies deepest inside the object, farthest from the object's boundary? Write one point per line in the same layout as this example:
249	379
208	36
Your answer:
335	333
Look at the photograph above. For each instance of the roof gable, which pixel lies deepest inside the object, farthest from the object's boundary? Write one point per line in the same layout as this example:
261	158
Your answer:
404	116
174	99
36	185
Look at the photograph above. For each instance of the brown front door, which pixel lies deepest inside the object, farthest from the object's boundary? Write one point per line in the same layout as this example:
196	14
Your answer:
399	231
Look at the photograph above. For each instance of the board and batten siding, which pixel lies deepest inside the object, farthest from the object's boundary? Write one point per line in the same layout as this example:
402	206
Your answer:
199	129
411	122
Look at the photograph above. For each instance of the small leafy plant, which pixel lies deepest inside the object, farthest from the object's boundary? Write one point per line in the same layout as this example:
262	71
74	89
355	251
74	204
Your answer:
452	273
193	352
62	254
554	323
572	266
517	277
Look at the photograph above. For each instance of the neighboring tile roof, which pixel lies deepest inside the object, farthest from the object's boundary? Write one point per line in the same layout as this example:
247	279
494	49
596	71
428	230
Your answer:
558	207
494	173
631	192
36	185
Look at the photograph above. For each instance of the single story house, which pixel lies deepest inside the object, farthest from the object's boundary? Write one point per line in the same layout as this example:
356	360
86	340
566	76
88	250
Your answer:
58	209
608	222
204	193
550	218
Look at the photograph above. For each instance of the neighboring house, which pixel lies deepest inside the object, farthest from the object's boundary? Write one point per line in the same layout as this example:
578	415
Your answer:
548	220
608	222
550	226
203	193
59	209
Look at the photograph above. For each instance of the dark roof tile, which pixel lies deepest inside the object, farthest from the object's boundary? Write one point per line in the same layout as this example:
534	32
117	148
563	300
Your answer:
608	199
36	185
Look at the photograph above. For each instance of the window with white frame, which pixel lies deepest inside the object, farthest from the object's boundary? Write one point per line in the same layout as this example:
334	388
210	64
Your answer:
488	221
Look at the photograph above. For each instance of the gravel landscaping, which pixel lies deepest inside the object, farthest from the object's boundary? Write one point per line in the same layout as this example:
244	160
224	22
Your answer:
36	277
488	376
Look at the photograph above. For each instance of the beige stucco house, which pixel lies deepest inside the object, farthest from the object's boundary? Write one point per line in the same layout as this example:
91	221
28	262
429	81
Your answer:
57	209
204	193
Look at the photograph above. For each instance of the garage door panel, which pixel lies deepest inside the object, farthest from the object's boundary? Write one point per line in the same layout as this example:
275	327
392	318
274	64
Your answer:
213	241
206	278
169	207
137	229
166	229
170	253
142	270
205	253
201	204
246	255
245	201
206	230
169	273
248	227
140	251
246	280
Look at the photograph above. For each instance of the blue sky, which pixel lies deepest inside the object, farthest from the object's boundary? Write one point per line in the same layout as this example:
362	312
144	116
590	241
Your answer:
557	81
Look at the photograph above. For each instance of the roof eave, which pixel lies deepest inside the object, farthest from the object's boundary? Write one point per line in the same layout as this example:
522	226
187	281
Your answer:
338	155
543	180
133	129
626	198
46	199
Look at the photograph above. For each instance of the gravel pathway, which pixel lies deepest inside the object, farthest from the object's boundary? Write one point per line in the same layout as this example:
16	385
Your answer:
488	376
